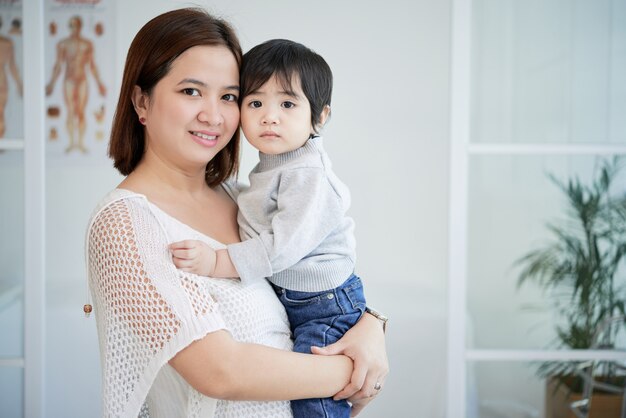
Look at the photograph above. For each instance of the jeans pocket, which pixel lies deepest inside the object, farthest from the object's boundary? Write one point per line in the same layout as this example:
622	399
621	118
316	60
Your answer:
295	298
355	294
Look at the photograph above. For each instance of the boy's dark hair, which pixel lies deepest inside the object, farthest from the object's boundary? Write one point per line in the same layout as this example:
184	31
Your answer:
284	59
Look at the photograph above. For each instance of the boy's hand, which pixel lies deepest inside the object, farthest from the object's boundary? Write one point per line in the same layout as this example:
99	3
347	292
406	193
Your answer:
194	257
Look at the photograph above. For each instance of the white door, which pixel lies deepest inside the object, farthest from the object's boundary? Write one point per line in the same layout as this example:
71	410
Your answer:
537	91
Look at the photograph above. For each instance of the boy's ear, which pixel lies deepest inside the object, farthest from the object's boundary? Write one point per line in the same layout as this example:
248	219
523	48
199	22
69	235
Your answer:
140	101
324	116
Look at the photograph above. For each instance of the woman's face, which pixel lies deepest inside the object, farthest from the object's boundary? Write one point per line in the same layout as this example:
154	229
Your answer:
192	112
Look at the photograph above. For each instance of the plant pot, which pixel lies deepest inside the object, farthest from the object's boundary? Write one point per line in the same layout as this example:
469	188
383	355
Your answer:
559	398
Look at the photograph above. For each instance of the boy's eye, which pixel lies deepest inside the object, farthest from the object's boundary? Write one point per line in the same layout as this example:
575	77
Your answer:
189	91
229	97
288	105
255	104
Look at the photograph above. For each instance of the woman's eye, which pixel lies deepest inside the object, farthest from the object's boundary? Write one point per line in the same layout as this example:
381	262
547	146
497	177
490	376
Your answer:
191	91
288	105
255	104
229	97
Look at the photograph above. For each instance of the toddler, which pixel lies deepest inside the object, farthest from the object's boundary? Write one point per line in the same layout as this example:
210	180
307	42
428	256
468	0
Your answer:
292	217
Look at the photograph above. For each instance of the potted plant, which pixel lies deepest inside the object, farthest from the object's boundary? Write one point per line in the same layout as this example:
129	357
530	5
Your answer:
579	268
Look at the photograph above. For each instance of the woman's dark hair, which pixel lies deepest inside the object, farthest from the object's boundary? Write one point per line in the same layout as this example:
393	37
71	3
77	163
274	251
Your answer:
284	59
157	44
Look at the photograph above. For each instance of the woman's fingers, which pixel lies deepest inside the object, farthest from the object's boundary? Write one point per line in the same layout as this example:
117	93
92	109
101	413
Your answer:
358	374
329	350
371	388
358	379
358	406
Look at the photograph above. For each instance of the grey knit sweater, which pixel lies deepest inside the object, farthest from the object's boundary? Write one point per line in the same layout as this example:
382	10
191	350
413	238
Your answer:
293	223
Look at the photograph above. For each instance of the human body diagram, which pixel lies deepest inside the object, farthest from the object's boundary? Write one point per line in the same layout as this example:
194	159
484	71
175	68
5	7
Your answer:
7	66
77	55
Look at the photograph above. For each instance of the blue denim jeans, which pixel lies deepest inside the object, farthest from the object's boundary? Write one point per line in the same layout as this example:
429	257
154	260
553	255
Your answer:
320	319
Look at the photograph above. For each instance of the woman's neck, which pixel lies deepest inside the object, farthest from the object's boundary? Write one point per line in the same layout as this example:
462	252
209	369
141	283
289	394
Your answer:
154	176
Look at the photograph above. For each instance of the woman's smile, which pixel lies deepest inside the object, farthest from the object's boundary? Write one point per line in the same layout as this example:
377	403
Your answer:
206	139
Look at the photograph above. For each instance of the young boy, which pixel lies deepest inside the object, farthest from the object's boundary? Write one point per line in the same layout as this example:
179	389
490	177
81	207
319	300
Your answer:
292	218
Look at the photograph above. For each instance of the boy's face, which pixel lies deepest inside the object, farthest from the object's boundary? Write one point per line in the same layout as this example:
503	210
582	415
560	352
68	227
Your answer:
276	121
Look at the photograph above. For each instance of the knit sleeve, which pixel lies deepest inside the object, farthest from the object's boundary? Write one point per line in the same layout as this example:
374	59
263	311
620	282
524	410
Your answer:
308	210
146	311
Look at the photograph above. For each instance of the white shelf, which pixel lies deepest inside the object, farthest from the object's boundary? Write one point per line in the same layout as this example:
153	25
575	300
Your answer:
11	144
545	149
543	355
12	362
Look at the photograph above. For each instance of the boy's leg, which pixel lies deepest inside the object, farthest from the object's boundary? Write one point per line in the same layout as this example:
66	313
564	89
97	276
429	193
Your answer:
320	319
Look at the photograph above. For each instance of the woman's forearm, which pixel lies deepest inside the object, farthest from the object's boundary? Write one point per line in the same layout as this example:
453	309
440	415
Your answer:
223	368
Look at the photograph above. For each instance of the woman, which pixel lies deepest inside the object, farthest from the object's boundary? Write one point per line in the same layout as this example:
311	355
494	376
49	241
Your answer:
168	337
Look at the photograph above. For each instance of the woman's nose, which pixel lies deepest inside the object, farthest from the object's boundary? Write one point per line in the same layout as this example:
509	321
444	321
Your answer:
211	114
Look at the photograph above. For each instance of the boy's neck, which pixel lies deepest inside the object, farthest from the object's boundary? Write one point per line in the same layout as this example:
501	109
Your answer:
267	161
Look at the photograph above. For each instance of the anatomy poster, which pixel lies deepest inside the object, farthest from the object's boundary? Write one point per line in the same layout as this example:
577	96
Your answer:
11	73
79	83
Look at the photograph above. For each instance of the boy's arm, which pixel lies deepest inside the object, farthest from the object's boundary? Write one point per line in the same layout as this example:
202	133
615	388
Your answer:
224	266
309	209
197	257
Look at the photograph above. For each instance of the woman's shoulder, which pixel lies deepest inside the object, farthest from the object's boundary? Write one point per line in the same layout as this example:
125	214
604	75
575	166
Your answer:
119	194
116	198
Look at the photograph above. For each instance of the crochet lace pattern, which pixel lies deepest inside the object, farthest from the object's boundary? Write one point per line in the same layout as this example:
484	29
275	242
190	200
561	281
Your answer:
146	310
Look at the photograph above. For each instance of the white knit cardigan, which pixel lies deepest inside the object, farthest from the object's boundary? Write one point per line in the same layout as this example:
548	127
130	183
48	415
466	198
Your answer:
146	311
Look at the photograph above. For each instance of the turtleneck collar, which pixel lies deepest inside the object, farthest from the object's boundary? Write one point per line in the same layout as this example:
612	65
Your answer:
270	161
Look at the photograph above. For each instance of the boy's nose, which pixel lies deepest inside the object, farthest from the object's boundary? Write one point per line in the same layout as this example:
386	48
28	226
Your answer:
270	118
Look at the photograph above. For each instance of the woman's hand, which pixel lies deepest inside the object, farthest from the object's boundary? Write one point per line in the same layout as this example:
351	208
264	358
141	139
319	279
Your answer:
357	406
365	345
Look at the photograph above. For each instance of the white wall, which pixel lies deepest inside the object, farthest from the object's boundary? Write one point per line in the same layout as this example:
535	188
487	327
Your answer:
388	139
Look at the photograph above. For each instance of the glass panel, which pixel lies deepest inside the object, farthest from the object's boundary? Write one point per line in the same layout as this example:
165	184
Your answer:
11	392
504	390
548	72
11	253
11	73
512	200
517	390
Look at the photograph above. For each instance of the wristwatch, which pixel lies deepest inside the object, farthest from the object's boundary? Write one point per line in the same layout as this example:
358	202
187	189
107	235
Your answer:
378	315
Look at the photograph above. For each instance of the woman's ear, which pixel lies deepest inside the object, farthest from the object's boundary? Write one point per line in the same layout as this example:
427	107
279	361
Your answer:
140	102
